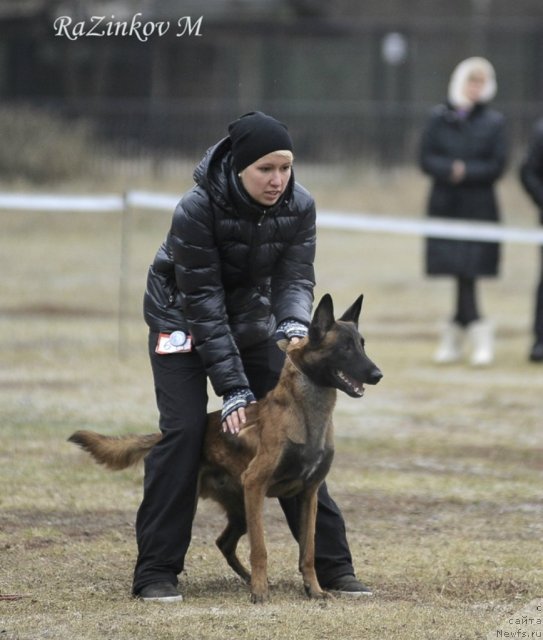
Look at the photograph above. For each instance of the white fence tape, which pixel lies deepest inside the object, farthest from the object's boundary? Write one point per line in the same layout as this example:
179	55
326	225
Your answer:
430	227
436	228
54	202
147	200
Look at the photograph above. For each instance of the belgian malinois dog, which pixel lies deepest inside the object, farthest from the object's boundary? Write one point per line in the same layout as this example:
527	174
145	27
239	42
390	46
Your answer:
284	449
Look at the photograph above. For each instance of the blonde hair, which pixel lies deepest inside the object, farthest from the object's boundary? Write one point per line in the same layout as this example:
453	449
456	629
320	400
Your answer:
284	153
461	75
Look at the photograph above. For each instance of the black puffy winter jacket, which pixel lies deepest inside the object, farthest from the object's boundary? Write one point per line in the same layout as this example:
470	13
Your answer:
230	269
531	170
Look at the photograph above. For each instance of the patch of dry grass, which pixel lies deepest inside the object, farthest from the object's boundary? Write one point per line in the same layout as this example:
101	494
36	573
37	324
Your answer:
438	470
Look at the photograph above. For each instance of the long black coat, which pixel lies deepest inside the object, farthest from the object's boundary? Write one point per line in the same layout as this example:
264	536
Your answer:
478	140
230	269
531	171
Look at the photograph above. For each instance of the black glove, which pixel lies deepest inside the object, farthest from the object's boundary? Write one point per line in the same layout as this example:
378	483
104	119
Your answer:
235	399
290	328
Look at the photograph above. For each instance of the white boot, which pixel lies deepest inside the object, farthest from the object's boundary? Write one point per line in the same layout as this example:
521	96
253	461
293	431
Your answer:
481	335
451	344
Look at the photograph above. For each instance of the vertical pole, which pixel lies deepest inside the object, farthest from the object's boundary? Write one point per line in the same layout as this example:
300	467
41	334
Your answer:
479	26
124	278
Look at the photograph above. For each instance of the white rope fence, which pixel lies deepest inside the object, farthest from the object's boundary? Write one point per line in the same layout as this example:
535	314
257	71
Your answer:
54	202
351	221
340	220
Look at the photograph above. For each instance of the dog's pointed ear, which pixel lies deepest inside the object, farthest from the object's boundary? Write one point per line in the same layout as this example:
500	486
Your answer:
353	312
323	319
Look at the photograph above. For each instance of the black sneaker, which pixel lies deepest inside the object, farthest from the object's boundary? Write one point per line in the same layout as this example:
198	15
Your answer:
160	592
536	354
348	585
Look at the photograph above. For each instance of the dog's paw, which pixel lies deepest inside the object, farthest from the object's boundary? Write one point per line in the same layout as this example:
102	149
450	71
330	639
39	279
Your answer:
259	598
318	594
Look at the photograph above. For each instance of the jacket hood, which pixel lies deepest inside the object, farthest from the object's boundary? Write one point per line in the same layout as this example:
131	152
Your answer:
211	173
216	174
459	77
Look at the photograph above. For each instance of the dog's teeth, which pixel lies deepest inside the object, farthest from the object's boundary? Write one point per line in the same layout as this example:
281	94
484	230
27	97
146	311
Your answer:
356	389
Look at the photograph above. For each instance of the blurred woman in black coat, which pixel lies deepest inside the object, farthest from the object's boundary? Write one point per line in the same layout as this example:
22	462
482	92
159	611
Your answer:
463	150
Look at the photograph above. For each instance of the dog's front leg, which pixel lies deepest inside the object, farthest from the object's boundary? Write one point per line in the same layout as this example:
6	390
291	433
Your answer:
255	493
308	517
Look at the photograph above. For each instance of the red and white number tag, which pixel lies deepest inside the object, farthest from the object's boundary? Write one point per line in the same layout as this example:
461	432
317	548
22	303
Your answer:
176	342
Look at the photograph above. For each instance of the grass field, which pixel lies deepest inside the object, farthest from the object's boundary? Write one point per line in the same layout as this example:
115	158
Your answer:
439	471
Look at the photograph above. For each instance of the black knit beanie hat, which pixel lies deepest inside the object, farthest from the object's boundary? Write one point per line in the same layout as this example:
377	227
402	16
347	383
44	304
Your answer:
254	135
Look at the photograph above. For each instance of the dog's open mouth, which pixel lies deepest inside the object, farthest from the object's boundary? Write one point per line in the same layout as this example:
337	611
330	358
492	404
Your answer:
355	387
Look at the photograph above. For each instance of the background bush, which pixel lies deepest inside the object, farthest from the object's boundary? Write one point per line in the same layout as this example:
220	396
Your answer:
40	147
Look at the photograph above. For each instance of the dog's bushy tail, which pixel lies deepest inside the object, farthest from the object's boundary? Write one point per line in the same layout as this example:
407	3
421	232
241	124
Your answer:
115	452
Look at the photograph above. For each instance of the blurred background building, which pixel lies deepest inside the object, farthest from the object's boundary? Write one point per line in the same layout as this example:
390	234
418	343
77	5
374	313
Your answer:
354	79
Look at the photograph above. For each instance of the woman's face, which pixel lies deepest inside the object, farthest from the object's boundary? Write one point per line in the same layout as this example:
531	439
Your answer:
266	179
475	85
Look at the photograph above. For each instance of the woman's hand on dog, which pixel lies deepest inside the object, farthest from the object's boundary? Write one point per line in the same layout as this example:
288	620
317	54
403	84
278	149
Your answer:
234	403
233	409
234	421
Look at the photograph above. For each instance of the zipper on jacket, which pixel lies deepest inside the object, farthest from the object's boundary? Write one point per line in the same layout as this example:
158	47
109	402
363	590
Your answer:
254	233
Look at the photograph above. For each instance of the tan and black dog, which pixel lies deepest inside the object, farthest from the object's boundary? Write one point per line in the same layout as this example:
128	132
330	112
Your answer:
284	449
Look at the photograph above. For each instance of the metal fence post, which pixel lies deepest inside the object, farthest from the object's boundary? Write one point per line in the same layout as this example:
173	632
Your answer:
124	278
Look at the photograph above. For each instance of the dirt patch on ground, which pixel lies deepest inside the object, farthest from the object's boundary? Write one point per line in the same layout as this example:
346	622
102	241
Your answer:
77	525
56	311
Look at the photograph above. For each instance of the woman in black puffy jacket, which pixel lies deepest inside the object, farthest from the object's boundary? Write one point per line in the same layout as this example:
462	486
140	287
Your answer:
531	177
463	150
234	274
